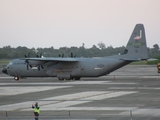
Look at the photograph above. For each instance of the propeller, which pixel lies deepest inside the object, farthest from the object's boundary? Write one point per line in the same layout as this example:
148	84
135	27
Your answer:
39	56
62	55
27	56
27	64
40	67
72	55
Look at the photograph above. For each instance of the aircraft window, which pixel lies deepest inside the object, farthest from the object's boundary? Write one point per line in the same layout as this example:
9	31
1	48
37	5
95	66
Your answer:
10	63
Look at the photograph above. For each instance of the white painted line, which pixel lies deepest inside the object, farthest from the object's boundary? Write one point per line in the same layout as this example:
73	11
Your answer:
6	77
76	96
22	105
27	89
109	95
58	83
98	108
62	105
50	107
131	88
150	77
65	101
140	34
143	112
69	83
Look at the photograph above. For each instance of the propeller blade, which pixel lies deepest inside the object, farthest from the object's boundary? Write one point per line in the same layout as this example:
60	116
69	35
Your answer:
71	54
27	56
40	55
27	66
39	67
42	67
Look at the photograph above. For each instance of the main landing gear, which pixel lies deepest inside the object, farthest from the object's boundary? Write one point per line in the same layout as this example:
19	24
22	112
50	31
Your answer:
76	78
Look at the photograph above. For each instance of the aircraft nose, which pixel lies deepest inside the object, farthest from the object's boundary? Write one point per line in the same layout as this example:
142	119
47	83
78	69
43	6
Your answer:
4	70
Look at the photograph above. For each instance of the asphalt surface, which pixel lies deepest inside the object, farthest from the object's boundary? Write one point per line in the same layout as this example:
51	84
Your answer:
130	93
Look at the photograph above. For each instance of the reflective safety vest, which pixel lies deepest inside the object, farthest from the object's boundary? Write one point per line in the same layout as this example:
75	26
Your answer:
158	66
37	110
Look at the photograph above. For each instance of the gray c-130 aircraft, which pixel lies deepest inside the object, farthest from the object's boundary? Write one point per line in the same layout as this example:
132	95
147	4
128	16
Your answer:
76	68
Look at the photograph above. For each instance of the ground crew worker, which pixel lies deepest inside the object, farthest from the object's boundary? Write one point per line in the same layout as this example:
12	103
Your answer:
36	110
158	67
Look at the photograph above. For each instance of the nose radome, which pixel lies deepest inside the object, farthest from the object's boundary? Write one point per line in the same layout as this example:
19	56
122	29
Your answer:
4	70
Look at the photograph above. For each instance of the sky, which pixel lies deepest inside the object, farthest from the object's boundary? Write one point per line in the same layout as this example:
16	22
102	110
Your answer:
67	23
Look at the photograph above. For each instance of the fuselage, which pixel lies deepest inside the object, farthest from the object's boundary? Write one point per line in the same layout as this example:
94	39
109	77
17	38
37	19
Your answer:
85	67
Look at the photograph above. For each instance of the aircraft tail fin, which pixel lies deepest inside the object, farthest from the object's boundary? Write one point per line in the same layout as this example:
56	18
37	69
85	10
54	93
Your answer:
136	48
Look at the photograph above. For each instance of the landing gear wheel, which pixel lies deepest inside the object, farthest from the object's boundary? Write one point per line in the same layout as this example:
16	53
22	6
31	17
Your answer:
17	78
61	79
77	78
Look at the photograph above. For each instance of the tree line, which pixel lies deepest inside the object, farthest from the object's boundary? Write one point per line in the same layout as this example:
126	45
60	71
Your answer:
8	52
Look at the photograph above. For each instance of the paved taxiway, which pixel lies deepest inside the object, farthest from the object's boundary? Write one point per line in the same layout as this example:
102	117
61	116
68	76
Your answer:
132	92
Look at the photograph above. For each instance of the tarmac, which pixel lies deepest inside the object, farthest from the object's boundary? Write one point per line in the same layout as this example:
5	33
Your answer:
130	93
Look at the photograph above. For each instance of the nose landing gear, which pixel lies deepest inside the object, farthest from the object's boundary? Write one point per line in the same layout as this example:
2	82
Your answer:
17	78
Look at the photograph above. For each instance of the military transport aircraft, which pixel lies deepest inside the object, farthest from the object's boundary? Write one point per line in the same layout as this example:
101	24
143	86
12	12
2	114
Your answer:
76	68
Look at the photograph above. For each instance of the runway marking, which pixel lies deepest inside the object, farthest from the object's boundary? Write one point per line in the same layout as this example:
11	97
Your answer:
142	112
22	105
62	105
151	77
91	95
58	83
93	108
131	88
26	89
65	101
6	77
76	96
69	83
109	95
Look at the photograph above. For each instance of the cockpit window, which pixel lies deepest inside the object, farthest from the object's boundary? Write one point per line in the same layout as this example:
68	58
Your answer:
10	63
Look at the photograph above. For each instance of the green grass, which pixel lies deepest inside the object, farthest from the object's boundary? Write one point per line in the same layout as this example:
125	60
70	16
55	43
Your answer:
139	63
4	62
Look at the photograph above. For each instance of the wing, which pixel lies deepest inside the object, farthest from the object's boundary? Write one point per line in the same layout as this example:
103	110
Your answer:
52	59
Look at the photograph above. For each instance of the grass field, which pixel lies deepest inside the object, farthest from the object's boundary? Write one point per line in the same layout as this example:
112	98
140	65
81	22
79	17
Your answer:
4	62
